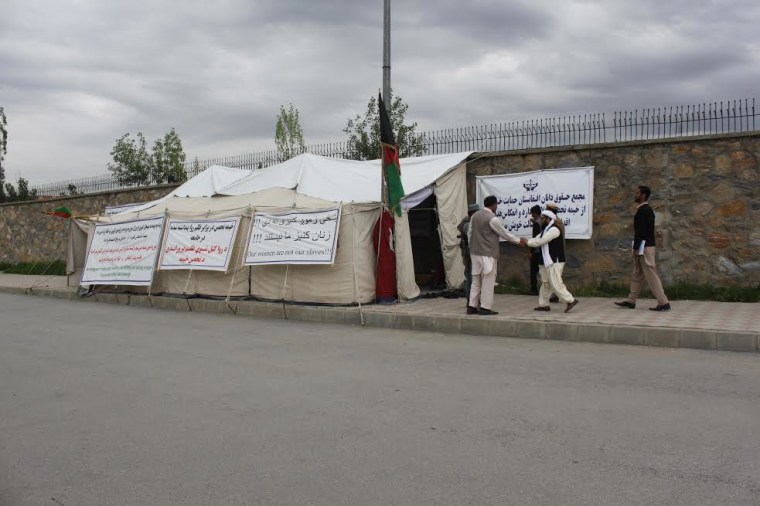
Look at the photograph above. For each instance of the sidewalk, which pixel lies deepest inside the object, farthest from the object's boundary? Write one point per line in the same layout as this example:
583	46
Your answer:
733	326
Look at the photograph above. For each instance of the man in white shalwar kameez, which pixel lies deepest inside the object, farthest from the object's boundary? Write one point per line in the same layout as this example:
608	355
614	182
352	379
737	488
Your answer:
483	237
552	262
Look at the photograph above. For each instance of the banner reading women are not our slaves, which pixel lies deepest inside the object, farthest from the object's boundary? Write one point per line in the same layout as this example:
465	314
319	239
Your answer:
303	237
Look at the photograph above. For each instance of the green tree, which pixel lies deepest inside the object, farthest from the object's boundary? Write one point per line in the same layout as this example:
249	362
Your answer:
10	193
3	151
364	132
22	193
288	136
169	159
23	190
131	164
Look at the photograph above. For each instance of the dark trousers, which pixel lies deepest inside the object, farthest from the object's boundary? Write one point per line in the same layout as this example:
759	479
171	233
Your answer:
467	281
535	260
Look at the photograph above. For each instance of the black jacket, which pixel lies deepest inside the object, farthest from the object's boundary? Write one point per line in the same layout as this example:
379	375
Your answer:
643	227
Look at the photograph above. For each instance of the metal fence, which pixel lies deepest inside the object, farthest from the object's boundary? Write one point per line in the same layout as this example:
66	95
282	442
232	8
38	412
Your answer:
731	116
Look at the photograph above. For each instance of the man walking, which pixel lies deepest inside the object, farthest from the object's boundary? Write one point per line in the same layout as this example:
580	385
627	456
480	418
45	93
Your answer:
643	254
553	207
485	230
552	244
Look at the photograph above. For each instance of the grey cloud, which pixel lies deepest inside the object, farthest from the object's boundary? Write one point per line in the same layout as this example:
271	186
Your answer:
77	75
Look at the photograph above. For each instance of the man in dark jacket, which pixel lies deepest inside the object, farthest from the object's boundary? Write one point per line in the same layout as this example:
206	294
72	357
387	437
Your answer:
535	253
464	228
643	254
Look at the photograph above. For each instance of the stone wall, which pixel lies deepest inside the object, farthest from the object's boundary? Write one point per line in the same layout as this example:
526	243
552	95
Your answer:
705	194
28	235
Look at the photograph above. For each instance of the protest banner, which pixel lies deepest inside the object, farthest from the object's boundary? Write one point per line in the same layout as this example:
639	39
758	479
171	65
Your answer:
571	189
300	237
123	253
198	244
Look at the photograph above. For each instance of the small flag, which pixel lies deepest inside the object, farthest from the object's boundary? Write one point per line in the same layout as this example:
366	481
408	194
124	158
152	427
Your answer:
391	165
60	212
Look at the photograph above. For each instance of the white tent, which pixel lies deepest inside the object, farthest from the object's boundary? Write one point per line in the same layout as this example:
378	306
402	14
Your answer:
310	182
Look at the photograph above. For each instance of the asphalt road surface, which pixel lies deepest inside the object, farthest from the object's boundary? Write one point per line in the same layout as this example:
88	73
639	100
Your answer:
113	405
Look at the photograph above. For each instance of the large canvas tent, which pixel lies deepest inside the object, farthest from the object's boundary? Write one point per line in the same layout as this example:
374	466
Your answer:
306	183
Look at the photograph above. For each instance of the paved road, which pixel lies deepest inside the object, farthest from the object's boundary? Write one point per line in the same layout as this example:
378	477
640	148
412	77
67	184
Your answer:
114	405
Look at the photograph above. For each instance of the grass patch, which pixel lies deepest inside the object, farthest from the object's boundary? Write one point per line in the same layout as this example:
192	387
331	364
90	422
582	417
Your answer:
678	291
49	268
688	291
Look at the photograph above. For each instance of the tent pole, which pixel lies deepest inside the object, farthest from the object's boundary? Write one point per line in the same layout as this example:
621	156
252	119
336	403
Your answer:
184	290
232	281
284	288
353	262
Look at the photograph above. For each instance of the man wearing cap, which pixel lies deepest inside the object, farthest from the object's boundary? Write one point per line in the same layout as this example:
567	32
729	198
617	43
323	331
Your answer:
464	228
483	237
643	253
552	244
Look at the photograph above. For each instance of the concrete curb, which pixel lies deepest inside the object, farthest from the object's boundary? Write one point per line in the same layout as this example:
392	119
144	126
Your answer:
470	325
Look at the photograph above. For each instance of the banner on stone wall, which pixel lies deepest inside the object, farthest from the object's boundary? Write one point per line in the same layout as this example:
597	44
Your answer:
123	253
198	244
571	189
293	238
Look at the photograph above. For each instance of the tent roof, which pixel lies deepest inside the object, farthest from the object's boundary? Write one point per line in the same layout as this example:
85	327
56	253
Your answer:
330	179
210	181
205	184
341	180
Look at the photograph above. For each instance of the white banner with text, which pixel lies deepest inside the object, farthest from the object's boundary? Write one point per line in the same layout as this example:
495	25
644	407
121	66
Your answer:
308	237
571	189
123	253
198	244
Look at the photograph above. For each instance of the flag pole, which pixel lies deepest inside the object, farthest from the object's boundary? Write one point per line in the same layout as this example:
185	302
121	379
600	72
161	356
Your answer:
387	53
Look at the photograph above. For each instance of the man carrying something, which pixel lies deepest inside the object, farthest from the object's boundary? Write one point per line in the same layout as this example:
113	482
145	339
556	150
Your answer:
483	237
643	253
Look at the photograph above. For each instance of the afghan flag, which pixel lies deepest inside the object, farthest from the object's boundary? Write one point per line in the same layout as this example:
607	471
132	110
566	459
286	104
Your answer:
61	212
391	165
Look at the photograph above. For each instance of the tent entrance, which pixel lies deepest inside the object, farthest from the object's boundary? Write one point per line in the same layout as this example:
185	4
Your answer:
429	271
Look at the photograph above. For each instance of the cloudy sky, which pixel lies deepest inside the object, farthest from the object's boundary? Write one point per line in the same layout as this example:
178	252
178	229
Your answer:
75	75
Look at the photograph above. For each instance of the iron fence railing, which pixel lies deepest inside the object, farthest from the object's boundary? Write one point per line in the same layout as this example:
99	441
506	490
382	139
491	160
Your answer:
732	116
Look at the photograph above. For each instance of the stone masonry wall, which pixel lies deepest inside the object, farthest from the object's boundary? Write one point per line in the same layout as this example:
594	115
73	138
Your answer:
705	194
28	235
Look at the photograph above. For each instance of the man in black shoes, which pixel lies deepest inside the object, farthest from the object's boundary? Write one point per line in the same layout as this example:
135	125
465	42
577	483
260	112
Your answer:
485	230
552	245
464	228
643	253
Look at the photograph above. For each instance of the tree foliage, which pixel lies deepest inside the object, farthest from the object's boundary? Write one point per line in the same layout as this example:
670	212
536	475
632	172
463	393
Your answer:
9	193
131	162
288	136
13	194
134	165
169	159
364	132
3	151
